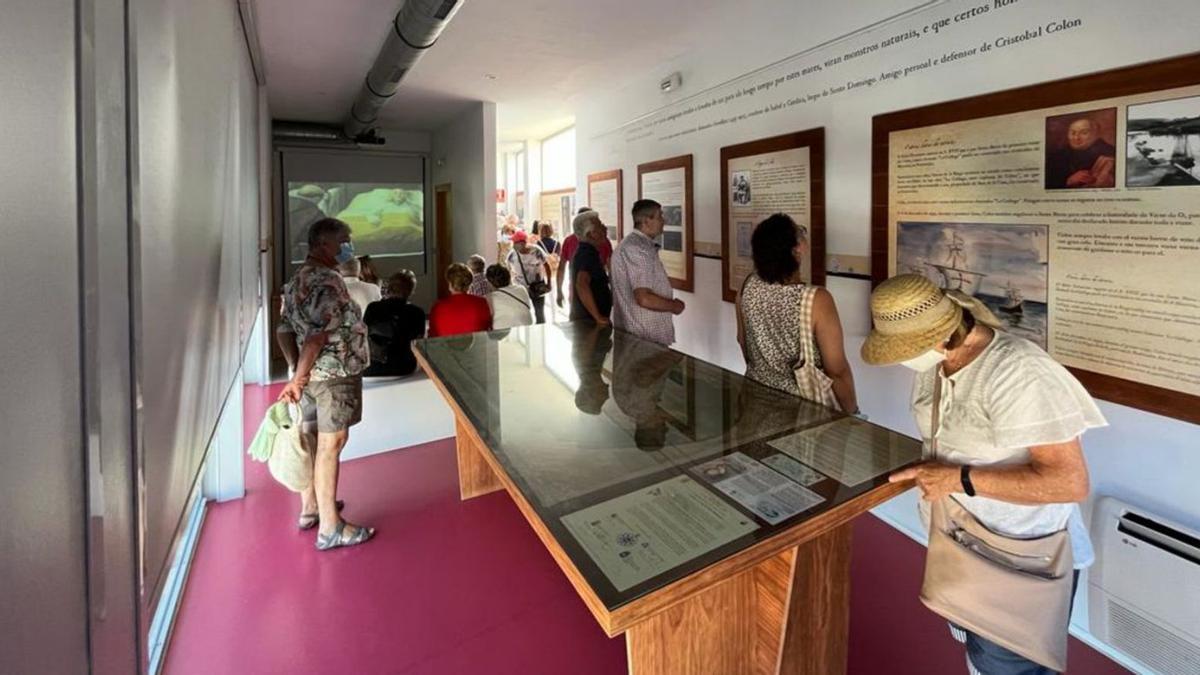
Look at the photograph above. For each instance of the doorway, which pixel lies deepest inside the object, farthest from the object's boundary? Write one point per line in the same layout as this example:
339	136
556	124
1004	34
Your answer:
443	222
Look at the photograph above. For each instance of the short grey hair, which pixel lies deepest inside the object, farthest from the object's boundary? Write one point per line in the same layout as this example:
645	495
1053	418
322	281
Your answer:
584	222
477	263
350	268
323	229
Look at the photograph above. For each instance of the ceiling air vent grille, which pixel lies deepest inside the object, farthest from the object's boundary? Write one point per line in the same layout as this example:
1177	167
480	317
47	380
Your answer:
1150	644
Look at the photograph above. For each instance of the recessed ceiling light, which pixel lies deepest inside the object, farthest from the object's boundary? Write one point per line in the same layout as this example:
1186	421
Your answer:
489	76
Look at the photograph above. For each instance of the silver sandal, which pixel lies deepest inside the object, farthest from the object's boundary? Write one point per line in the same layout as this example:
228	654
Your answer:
338	537
310	520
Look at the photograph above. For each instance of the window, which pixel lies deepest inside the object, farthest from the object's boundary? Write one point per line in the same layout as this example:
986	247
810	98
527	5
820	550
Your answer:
558	161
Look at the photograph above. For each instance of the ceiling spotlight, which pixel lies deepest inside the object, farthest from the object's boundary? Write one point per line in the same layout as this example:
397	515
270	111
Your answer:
489	76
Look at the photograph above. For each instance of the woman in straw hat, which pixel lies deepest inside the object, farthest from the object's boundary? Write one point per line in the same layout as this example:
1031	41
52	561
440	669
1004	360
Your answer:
1007	443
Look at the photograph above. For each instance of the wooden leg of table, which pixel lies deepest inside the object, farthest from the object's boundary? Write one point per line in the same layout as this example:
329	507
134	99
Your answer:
818	612
733	628
475	477
788	614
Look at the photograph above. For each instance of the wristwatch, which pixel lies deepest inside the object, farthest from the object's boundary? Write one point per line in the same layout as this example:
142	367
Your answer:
967	486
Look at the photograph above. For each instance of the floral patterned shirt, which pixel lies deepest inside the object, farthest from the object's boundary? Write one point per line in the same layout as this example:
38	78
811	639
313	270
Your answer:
316	301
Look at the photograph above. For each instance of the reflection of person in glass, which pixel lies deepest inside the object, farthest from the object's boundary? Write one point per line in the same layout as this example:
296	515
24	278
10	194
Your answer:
640	370
1086	161
590	347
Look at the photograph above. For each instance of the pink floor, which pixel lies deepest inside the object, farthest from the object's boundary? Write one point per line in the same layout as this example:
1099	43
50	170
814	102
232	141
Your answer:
454	587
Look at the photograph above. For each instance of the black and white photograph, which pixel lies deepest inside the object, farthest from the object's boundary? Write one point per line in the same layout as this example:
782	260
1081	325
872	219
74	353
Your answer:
672	237
745	231
739	183
1163	143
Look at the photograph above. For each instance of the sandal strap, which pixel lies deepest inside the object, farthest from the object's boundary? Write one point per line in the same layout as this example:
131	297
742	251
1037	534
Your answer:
333	539
338	537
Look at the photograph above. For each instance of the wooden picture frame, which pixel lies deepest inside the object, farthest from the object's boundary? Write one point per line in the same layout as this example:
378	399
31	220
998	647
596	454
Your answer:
814	140
619	176
686	282
1136	80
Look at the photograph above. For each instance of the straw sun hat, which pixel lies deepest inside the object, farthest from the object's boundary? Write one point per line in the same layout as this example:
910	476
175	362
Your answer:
911	315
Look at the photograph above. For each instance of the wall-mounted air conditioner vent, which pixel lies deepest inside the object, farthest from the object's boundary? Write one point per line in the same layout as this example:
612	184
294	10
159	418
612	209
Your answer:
1144	591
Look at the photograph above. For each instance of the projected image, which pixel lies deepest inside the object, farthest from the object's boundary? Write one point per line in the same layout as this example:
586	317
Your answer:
384	219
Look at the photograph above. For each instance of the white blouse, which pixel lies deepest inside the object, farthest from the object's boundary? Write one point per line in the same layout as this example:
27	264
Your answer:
510	307
1011	397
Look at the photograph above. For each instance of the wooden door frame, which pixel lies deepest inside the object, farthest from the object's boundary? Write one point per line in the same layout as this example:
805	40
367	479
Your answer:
443	231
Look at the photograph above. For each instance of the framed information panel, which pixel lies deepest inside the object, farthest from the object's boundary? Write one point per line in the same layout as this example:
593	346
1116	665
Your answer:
1072	209
558	209
669	182
781	174
604	195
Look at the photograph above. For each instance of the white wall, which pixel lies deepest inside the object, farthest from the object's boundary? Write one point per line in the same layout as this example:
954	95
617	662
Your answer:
464	155
1145	459
399	140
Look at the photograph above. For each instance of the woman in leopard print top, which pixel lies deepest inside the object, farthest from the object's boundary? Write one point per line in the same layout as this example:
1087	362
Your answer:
777	311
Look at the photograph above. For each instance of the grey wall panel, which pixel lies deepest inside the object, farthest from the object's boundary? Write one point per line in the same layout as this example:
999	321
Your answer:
192	128
43	610
249	216
104	283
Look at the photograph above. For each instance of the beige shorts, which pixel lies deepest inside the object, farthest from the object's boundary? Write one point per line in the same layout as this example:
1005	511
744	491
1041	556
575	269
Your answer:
333	404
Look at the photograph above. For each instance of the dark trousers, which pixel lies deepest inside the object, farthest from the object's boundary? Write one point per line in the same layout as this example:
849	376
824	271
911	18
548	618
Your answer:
539	308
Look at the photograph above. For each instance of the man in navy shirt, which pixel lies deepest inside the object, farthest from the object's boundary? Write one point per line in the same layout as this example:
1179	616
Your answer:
591	297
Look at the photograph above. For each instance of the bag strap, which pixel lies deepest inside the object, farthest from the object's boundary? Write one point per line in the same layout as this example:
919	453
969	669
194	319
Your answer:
523	303
935	422
808	351
524	272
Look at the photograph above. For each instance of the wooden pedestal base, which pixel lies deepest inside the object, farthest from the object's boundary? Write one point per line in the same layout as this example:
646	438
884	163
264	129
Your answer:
788	614
475	477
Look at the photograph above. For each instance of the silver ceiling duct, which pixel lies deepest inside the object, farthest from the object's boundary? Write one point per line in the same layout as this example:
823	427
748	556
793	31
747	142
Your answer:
416	27
308	133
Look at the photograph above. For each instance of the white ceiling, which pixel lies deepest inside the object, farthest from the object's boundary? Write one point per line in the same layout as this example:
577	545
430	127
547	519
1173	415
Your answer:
544	54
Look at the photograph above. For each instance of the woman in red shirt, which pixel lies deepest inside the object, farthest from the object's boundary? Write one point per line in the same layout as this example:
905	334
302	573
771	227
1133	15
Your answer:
460	312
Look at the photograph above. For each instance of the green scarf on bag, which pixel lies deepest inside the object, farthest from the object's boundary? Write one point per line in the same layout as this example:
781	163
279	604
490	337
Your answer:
276	419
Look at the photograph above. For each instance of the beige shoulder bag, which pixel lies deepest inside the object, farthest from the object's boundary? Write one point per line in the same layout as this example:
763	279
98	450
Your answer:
813	383
1013	592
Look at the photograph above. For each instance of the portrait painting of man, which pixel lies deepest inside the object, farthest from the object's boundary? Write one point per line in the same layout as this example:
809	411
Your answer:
1079	150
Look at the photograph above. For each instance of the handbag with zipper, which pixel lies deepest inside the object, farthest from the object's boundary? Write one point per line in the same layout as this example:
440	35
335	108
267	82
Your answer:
1015	592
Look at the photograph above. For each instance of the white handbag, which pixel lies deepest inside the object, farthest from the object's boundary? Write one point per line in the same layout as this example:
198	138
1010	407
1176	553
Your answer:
291	463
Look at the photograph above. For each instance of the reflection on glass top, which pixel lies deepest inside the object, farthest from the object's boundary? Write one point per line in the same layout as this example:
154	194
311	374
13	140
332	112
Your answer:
648	464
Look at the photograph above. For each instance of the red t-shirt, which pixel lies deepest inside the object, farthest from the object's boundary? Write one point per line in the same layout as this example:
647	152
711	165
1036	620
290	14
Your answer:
461	313
571	244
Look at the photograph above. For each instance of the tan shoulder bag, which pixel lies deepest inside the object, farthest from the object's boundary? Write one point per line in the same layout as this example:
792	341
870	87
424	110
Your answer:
1013	592
813	383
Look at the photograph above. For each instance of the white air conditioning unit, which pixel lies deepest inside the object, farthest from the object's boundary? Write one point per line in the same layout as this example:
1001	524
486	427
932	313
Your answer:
1144	590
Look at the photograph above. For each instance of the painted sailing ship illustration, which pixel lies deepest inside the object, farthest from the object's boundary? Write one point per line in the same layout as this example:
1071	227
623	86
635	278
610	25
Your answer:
955	276
1014	301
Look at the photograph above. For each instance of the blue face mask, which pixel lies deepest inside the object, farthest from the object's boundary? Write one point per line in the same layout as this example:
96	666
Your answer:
345	253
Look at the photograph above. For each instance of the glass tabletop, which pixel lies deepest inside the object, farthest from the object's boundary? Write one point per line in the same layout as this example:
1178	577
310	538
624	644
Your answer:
647	464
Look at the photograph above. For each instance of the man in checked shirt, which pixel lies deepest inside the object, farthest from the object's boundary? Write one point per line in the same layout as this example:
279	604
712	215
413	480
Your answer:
643	302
